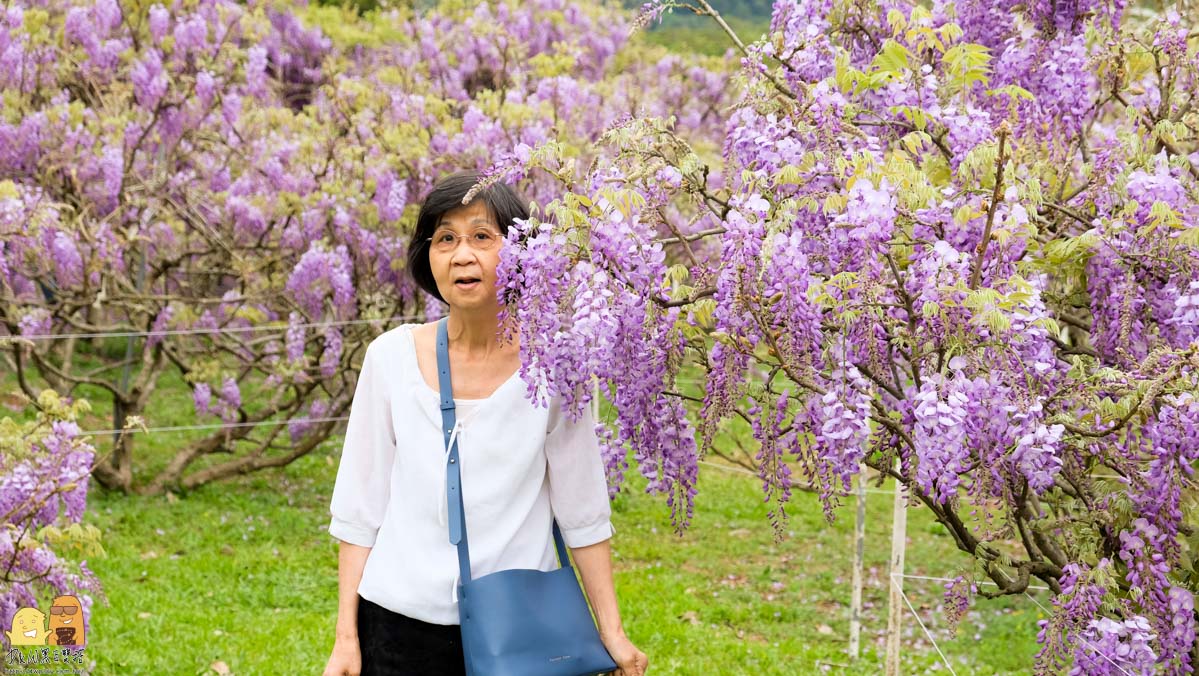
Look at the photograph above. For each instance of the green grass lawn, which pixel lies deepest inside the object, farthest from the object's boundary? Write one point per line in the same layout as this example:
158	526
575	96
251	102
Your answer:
244	573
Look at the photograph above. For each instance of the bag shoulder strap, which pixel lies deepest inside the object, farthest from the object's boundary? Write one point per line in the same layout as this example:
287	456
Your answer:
453	477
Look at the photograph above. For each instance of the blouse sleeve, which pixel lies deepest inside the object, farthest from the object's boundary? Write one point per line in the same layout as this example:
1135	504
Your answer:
362	487
578	487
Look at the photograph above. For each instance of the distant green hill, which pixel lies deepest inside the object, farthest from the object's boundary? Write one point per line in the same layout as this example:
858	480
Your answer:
742	9
684	31
680	30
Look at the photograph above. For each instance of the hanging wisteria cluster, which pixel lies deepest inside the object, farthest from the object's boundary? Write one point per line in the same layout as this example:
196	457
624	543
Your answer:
958	245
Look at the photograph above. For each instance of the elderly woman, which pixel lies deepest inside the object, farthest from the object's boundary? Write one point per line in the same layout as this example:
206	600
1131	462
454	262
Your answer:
522	465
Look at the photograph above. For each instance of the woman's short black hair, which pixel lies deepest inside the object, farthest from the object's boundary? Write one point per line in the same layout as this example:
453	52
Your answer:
502	200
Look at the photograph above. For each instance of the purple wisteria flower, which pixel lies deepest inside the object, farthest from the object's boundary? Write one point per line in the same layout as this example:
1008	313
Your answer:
150	81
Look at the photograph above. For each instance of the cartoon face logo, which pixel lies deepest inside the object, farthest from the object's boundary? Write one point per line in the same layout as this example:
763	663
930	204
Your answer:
66	621
28	628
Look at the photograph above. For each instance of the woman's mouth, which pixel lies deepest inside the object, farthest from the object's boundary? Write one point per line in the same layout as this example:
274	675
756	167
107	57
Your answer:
467	284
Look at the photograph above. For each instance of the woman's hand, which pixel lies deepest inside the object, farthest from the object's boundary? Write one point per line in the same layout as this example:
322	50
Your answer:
629	660
346	659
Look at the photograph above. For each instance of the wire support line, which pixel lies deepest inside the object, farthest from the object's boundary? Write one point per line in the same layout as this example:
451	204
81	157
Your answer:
225	426
932	640
184	332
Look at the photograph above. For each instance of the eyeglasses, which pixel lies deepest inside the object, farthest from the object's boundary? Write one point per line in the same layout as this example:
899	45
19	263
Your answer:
63	610
482	239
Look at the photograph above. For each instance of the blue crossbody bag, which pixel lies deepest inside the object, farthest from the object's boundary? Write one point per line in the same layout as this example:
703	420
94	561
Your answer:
515	622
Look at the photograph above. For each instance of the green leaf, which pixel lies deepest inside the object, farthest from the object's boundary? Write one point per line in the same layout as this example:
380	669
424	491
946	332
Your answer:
677	274
845	76
1188	237
788	175
893	58
951	32
1070	250
966	64
915	115
916	140
703	310
1015	91
997	320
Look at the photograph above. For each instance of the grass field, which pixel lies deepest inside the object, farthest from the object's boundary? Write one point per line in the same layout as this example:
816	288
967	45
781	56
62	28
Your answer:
242	575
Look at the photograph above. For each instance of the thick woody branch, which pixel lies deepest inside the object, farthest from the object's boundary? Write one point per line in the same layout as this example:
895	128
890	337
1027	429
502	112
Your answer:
996	196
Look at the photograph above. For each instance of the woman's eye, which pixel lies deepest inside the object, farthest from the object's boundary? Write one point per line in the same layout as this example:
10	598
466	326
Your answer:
483	236
445	238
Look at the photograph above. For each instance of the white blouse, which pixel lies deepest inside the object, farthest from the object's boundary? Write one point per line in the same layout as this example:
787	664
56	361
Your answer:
519	462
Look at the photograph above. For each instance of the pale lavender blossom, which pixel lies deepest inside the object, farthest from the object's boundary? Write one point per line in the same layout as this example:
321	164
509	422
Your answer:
35	323
256	71
68	263
295	339
150	81
161	323
331	356
191	34
202	398
159	21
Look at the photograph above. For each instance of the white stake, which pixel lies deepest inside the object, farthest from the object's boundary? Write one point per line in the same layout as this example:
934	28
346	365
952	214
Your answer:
855	601
895	601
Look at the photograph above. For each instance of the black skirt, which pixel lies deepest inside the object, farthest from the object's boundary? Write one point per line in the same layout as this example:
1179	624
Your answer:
396	645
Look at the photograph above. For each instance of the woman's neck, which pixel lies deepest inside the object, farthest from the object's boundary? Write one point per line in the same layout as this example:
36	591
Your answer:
475	333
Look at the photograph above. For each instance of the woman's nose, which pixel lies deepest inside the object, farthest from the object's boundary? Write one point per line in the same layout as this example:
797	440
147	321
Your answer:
463	252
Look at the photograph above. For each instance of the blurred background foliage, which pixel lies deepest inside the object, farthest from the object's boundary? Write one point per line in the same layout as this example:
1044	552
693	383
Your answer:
679	30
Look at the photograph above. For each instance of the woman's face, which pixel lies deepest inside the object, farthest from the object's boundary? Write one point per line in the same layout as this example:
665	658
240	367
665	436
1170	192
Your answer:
466	261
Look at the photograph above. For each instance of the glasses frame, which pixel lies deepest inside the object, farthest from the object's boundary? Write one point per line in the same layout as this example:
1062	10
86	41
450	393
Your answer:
433	244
